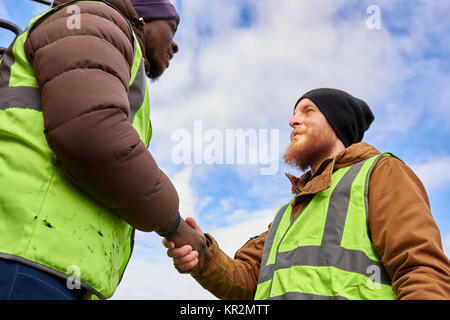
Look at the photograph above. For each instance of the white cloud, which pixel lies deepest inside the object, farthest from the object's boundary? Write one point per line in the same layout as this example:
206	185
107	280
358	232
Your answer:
242	225
230	77
250	78
434	173
446	244
181	181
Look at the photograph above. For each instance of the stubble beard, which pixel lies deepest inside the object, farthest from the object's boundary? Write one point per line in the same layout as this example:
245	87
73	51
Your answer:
155	69
306	150
154	72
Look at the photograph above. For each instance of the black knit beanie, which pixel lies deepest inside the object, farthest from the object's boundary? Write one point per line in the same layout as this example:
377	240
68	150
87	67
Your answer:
350	117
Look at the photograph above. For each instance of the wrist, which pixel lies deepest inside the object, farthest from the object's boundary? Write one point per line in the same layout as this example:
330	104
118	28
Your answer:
174	227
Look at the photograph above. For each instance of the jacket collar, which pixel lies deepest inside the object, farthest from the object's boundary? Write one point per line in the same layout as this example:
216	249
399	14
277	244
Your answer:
308	184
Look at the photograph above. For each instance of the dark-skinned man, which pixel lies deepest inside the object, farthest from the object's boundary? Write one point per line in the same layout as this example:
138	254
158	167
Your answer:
359	226
76	174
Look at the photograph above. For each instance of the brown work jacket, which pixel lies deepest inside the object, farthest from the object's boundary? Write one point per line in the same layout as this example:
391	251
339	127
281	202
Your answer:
402	228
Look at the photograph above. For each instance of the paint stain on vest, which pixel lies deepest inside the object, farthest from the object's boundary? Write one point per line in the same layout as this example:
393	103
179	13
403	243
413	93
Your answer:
47	224
100	233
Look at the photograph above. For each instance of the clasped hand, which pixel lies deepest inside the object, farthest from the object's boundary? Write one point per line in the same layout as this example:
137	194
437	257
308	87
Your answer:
187	247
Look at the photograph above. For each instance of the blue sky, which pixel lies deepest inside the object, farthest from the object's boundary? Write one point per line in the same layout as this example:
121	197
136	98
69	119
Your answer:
242	65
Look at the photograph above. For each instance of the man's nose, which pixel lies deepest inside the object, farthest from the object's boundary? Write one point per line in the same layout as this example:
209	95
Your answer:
175	47
295	121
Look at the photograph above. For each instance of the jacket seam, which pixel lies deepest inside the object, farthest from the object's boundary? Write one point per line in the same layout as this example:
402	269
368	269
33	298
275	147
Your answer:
84	68
13	283
145	196
40	209
93	67
79	35
129	150
44	282
95	109
111	45
49	269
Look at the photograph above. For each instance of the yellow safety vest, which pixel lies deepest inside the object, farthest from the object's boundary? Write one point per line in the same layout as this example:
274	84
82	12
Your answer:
46	221
326	251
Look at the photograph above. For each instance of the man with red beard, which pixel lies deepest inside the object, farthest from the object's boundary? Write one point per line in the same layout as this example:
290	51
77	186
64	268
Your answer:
359	226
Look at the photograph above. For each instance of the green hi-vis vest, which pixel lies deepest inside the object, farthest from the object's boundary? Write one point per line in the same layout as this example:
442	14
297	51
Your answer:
326	251
45	220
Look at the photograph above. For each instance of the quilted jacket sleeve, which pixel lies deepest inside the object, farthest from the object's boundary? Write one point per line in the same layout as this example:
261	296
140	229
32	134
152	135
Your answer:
83	74
405	233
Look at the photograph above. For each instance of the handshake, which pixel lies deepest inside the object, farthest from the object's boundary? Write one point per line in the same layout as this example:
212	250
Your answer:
187	247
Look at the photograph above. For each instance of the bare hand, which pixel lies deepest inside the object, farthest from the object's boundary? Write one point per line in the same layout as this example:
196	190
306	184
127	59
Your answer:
186	258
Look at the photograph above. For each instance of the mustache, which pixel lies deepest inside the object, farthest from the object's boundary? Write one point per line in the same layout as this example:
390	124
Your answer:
296	131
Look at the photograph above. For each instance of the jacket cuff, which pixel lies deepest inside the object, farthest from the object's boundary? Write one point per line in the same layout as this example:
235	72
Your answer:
213	247
174	227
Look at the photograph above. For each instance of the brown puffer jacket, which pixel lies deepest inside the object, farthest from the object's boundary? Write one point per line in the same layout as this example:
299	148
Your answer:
83	75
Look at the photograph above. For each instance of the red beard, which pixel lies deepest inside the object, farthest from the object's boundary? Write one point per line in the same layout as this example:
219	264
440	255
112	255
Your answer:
311	146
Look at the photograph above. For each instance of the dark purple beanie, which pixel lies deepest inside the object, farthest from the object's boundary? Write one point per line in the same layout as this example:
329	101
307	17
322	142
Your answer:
155	9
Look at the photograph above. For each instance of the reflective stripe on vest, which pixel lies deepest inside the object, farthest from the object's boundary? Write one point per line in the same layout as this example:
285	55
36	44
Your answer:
45	220
326	251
